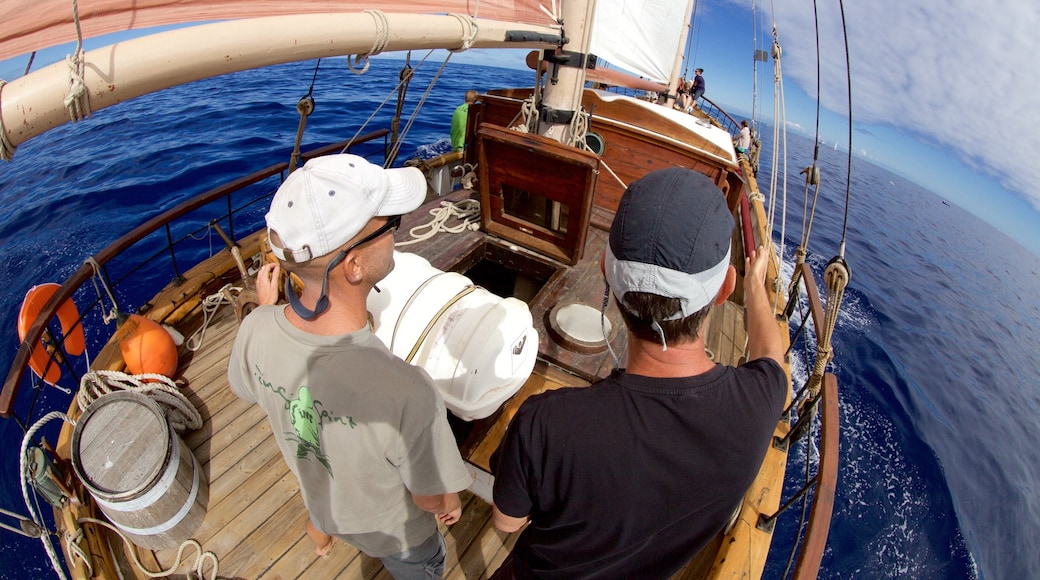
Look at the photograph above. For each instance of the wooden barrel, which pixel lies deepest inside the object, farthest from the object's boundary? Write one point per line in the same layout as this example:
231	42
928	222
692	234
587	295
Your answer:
140	473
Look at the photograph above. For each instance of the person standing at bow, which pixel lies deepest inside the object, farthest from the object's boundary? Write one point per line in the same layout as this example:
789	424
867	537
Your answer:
744	139
365	433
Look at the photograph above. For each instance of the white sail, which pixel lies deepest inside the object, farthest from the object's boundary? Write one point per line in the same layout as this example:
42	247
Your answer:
640	36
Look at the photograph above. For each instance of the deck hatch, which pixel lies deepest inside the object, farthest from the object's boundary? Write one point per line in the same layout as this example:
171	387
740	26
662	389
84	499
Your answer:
521	202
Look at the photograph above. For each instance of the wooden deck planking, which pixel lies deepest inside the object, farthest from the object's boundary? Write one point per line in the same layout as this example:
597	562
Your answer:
299	557
267	543
726	335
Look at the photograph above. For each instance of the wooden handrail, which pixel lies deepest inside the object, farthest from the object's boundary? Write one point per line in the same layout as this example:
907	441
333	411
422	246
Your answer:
814	542
815	305
86	271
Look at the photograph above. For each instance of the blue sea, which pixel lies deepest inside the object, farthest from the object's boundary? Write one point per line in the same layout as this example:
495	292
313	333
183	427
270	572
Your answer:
935	348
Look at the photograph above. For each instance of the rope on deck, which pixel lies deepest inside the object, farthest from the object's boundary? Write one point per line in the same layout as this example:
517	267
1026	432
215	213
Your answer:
181	414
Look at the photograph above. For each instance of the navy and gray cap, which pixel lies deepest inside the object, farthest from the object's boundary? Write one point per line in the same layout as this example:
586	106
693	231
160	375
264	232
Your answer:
670	237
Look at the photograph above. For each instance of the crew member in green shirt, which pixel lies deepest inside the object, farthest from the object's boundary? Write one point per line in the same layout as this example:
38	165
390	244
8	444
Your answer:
458	121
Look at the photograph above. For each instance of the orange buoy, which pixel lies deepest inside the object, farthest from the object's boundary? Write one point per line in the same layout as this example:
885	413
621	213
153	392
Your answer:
146	346
73	343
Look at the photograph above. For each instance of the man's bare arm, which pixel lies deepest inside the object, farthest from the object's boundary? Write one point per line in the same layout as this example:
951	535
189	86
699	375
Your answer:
764	338
447	507
507	524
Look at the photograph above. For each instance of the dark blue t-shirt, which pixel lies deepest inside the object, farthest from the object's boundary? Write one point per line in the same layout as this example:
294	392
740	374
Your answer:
632	476
698	83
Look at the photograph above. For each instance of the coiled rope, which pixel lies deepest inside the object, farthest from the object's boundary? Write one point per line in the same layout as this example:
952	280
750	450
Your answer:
466	210
378	44
201	557
77	102
180	413
33	512
469	25
210	305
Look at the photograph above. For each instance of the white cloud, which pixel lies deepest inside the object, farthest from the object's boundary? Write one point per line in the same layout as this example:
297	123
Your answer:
959	73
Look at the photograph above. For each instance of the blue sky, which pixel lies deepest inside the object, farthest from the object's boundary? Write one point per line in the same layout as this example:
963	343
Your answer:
955	116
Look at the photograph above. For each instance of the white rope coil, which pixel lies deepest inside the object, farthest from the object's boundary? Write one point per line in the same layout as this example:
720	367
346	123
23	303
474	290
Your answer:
76	551
77	102
471	29
378	44
578	127
210	305
33	513
529	116
467	210
180	412
201	557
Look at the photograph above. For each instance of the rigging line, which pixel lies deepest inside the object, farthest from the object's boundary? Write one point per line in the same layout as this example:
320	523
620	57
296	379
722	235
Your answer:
779	144
754	69
689	42
418	107
310	90
697	34
813	175
381	104
848	172
28	65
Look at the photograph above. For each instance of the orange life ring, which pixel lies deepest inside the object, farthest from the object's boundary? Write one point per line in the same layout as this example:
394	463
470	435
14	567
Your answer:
73	343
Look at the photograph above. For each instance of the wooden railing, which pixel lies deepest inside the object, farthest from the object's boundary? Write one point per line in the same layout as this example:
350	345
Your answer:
815	530
819	488
17	374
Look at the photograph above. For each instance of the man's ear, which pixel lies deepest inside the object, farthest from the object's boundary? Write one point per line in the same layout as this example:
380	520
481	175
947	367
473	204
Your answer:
603	263
727	286
352	268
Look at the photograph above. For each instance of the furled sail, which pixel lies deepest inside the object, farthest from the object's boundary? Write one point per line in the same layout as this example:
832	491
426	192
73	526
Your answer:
30	25
640	36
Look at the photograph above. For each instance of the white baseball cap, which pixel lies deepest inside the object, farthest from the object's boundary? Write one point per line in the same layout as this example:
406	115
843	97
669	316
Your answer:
328	201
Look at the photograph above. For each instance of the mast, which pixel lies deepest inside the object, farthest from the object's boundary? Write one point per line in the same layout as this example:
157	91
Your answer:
673	79
561	99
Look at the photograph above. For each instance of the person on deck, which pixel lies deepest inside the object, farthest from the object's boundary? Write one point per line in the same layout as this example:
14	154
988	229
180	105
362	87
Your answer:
744	139
458	121
365	433
632	476
683	94
698	86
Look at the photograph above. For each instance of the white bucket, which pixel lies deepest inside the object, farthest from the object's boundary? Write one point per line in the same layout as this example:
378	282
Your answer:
479	348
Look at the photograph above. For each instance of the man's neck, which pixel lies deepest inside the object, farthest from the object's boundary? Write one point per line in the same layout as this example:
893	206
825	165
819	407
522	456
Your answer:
344	316
649	359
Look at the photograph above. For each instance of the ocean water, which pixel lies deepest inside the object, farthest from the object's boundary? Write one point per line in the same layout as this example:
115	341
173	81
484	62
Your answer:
934	349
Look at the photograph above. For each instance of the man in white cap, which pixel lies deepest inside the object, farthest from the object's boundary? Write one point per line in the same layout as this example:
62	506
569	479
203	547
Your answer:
365	433
633	475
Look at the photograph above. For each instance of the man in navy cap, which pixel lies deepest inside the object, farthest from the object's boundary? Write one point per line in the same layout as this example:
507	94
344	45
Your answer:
633	475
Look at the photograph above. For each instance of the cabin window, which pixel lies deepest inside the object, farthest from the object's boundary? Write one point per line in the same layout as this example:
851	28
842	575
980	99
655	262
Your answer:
535	209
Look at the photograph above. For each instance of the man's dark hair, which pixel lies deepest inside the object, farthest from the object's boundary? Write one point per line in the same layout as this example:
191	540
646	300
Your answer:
641	309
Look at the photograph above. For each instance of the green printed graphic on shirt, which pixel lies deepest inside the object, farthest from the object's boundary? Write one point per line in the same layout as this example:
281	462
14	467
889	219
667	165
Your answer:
307	417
